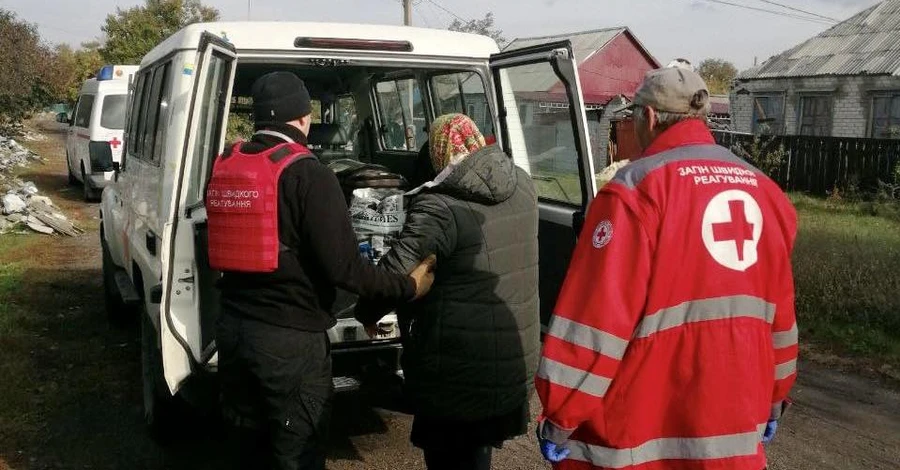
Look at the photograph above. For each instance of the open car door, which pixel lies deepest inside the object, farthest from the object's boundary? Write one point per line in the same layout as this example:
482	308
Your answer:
544	128
186	341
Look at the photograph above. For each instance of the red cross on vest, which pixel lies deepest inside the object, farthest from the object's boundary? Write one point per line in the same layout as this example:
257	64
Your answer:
738	229
115	142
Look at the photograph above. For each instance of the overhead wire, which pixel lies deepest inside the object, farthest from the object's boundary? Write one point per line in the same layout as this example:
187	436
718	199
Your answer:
788	7
447	10
772	12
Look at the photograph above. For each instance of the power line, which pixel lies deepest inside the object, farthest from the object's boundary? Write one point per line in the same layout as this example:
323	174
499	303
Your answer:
773	12
770	2
421	14
435	3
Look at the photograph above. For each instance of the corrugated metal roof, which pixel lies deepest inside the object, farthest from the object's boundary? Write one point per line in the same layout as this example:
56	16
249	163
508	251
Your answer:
867	43
540	77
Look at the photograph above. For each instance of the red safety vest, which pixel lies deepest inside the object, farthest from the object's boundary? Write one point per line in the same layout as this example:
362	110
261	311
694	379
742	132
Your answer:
242	208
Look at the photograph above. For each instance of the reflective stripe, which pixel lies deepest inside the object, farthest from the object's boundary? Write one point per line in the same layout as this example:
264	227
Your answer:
571	377
784	339
588	337
761	430
669	448
785	369
720	308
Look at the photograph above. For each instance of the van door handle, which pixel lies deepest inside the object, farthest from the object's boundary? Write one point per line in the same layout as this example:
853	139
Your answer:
151	242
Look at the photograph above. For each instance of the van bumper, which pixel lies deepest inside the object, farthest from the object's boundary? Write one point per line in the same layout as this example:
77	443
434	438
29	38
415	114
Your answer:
101	179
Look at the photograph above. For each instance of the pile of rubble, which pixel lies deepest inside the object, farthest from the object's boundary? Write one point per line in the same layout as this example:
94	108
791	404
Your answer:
21	207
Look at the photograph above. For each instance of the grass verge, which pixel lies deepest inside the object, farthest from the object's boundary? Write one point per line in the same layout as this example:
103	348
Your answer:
847	276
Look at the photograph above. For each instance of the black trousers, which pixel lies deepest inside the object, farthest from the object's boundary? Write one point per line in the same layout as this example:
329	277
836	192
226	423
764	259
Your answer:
471	458
276	395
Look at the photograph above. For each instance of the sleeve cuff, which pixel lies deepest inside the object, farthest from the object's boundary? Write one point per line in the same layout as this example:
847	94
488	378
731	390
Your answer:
553	433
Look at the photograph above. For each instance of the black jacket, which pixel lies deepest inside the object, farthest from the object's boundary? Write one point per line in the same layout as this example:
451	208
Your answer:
313	222
471	345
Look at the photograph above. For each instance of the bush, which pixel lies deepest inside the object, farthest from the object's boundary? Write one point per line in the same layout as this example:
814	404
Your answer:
764	152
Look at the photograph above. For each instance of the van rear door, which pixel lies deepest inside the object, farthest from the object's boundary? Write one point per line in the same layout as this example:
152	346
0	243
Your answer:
186	344
543	126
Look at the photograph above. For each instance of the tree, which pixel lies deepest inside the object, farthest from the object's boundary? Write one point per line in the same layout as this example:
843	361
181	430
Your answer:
484	27
131	33
719	74
76	66
27	82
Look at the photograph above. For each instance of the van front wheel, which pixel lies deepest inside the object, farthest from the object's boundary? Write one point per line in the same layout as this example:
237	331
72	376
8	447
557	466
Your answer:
159	405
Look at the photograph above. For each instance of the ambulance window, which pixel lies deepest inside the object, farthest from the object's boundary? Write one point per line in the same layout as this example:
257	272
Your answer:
84	111
132	142
113	114
316	114
137	134
463	93
402	115
212	110
161	105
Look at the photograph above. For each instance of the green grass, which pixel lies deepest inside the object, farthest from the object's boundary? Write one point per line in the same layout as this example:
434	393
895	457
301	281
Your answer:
847	277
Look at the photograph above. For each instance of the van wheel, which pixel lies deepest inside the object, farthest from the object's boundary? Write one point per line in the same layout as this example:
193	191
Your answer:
90	194
117	311
160	407
72	179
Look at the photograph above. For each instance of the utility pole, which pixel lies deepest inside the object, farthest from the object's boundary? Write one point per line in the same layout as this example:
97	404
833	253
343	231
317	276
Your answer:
407	12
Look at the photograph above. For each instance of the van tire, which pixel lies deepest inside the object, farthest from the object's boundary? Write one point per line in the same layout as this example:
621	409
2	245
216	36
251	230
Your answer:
90	194
117	311
72	179
160	407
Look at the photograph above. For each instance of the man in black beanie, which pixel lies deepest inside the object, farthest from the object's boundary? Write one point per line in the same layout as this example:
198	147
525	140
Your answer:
280	274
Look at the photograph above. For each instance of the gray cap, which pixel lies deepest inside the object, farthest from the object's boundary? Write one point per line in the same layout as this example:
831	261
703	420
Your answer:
673	90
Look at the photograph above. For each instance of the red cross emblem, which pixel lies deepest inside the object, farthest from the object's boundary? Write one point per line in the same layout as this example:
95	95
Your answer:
115	142
738	229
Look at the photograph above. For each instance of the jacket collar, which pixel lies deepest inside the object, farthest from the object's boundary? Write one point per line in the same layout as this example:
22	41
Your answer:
688	132
271	141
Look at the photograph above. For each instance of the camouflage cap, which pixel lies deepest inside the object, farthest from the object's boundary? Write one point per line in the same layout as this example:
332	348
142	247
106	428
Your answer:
673	90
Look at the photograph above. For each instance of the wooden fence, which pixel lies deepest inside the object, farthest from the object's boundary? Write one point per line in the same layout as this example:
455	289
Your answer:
817	165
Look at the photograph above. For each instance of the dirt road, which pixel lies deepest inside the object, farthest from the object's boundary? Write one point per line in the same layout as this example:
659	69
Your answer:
70	383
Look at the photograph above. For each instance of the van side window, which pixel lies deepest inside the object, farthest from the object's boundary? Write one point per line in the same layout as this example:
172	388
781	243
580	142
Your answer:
463	93
159	110
139	115
84	111
401	115
210	124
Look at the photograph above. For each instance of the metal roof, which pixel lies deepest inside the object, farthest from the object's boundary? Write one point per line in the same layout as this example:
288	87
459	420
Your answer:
584	45
866	44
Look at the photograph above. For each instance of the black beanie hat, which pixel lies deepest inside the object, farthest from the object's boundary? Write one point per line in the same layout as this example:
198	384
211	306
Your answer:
279	97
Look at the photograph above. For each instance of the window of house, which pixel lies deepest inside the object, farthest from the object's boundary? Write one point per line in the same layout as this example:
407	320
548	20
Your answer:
768	114
401	114
815	115
462	93
886	116
84	111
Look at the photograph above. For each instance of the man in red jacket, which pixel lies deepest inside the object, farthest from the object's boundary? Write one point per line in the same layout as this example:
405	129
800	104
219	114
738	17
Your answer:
674	342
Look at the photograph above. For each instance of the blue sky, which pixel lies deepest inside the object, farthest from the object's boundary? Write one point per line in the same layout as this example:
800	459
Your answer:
695	29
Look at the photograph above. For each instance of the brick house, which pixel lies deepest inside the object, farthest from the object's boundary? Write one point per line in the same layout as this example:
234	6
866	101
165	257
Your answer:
845	82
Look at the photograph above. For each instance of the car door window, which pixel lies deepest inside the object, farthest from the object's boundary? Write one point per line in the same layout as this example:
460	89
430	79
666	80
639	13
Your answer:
113	112
463	93
84	111
401	115
210	122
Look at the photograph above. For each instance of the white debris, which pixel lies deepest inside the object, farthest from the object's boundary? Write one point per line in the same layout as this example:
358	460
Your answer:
22	205
35	224
13	204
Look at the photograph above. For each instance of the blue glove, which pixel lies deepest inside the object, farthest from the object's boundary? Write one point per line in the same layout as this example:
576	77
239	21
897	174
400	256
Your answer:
771	427
552	452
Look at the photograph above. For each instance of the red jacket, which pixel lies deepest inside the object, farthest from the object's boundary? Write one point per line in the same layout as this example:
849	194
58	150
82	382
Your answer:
674	338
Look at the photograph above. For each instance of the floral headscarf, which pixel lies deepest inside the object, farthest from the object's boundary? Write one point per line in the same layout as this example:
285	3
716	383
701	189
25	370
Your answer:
453	137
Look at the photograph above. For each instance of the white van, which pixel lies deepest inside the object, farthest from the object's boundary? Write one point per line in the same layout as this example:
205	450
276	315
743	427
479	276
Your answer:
99	116
375	89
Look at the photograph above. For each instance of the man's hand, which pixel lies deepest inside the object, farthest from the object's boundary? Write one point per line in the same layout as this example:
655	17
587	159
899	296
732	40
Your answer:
423	275
551	451
771	427
374	331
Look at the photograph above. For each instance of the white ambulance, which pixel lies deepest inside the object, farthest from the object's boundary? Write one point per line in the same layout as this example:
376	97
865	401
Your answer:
375	90
98	117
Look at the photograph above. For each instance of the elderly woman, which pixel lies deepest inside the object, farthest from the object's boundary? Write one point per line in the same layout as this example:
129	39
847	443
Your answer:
471	345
